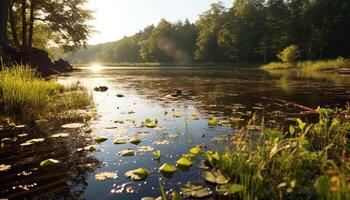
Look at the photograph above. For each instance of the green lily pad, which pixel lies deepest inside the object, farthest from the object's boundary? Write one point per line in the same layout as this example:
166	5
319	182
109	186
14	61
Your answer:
195	151
213	121
195	190
230	189
130	112
119	121
167	168
176	115
161	142
156	154
100	139
49	163
105	175
135	140
145	148
73	126
151	125
137	174
127	152
215	177
60	135
90	148
148	120
120	141
4	167
184	162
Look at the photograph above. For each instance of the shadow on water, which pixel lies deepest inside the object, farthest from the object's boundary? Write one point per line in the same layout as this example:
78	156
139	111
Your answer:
182	100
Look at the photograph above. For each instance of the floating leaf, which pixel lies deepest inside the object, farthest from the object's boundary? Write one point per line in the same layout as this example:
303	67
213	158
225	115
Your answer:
130	112
195	190
60	135
213	121
120	141
195	151
135	140
167	168
215	177
212	157
100	139
105	175
184	162
137	174
156	154
127	152
230	189
73	126
161	142
148	120
176	115
4	167
145	148
119	121
32	141
90	148
49	163
151	125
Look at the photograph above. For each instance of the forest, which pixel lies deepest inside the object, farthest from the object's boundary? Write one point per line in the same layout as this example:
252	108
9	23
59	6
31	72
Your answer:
251	31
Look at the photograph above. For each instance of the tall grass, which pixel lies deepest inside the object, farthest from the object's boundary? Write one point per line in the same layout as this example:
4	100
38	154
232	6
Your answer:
320	65
24	95
306	162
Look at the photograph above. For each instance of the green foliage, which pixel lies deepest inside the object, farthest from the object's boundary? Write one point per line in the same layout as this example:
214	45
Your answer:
290	54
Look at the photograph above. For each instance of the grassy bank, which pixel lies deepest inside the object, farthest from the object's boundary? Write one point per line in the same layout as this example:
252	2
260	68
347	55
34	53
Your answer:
320	65
157	64
25	96
307	161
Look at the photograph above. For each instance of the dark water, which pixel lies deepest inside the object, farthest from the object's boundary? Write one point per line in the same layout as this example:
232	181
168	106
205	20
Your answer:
229	94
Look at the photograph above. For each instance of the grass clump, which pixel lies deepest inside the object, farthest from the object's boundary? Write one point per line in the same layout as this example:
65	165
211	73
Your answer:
25	96
309	161
319	65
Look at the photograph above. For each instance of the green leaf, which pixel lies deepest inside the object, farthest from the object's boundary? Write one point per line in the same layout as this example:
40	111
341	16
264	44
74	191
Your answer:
90	148
100	139
215	177
230	189
49	163
195	190
135	140
301	124
127	152
151	125
195	151
167	168
184	162
213	121
137	174
120	141
291	129
156	154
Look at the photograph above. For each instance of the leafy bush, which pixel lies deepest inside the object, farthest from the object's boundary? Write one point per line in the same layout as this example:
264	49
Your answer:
290	54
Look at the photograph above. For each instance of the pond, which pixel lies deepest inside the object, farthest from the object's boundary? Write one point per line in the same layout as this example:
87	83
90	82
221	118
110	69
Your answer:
179	101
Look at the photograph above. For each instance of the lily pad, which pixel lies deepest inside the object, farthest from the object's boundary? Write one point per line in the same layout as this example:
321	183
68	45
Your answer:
73	126
60	135
119	121
90	148
145	148
184	162
167	168
156	154
137	174
105	175
213	121
230	189
215	177
176	115
130	112
135	140
161	142
32	141
100	139
120	141
4	167
195	151
127	152
195	190
151	125
49	163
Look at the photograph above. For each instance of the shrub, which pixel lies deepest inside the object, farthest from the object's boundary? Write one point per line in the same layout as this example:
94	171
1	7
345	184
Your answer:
290	54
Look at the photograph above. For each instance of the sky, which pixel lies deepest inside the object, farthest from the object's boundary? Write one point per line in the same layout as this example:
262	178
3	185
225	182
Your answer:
115	19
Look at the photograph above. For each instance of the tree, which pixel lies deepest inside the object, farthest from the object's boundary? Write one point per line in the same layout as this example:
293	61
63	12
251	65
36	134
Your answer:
4	5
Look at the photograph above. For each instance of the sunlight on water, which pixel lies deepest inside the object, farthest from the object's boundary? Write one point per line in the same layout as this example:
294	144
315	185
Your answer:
95	67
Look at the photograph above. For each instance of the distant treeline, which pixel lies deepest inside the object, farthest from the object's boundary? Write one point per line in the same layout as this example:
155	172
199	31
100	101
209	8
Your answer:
249	31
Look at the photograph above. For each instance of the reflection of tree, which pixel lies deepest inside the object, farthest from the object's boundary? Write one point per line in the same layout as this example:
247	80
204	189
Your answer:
26	180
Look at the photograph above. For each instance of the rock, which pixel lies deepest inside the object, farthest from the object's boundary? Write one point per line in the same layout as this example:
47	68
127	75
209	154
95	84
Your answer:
101	89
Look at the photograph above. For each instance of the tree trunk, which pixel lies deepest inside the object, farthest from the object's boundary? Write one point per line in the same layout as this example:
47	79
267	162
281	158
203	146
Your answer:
31	25
24	24
4	5
13	25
